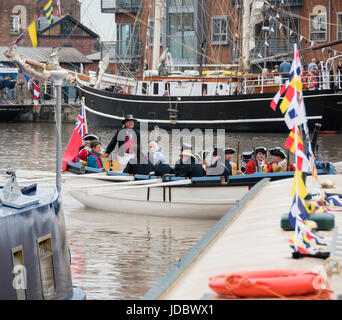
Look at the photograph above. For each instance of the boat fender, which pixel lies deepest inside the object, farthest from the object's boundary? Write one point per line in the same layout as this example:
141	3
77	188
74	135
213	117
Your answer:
323	220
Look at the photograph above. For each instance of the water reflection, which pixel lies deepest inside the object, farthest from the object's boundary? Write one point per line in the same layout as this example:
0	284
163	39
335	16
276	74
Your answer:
116	256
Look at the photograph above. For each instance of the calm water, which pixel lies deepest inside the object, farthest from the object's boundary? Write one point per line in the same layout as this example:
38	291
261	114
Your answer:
116	256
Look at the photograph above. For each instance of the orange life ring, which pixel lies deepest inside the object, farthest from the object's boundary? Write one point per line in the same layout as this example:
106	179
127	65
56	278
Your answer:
310	80
265	283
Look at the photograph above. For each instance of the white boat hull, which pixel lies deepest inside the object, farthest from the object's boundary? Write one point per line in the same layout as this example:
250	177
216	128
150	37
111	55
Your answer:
185	202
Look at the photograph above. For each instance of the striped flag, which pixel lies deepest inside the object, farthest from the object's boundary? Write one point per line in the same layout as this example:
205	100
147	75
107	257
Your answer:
290	141
36	92
49	12
19	38
38	21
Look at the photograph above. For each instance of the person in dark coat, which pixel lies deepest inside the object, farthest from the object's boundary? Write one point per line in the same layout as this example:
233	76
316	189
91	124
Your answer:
126	138
140	164
219	166
187	166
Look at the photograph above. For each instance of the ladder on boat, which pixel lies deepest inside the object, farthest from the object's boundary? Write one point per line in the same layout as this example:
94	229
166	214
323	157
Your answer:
173	113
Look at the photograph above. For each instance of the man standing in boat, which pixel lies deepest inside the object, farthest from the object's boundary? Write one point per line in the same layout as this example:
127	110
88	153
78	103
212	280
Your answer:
258	164
126	138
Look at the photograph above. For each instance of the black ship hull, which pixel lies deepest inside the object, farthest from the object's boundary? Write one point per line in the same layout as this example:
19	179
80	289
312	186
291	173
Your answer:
234	113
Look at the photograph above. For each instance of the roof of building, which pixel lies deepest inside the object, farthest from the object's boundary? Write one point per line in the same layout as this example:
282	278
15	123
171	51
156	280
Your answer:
94	56
74	21
42	54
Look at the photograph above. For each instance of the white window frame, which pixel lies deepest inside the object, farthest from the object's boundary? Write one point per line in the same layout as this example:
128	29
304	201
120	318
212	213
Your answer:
339	26
220	18
14	24
312	16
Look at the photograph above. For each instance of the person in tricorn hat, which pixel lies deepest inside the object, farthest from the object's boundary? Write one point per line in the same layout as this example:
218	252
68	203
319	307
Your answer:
279	163
258	164
245	157
219	166
85	149
189	166
228	154
126	138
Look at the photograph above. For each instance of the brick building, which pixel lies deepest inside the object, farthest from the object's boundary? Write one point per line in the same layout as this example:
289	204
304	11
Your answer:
208	32
17	15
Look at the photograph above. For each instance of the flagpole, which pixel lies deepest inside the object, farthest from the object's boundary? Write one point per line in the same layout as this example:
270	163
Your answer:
58	76
296	143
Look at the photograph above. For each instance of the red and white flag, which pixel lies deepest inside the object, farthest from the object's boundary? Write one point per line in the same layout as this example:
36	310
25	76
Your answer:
58	8
36	92
76	138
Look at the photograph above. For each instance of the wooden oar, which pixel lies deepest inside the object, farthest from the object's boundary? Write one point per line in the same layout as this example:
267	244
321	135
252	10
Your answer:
149	185
117	185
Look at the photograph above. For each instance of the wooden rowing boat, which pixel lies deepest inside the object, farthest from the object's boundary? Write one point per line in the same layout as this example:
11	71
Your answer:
186	198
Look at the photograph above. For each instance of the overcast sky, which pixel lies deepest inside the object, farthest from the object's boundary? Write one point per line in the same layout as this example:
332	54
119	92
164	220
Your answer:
101	23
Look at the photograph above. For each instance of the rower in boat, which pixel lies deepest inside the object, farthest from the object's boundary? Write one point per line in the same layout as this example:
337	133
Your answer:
258	164
94	158
228	153
139	164
202	157
245	157
85	148
219	165
188	166
126	138
280	163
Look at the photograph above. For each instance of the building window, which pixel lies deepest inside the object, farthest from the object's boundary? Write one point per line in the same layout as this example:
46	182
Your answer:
181	3
219	30
128	36
318	27
47	274
19	271
339	26
151	33
182	35
14	24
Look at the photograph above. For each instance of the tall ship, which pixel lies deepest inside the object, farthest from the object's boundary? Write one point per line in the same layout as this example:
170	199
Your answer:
215	64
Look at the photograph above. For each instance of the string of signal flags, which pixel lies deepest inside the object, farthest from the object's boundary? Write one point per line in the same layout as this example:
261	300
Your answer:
32	29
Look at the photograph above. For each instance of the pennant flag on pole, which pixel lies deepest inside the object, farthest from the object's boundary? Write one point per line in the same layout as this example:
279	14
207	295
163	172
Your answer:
290	141
58	8
298	188
49	12
36	92
38	21
76	138
18	38
32	30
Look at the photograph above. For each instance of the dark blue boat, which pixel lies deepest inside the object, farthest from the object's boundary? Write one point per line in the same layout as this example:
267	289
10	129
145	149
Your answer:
34	253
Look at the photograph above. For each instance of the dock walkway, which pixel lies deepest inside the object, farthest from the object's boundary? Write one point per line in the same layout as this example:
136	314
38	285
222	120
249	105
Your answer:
248	237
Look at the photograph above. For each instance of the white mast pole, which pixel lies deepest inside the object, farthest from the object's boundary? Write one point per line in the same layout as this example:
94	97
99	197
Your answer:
246	36
156	34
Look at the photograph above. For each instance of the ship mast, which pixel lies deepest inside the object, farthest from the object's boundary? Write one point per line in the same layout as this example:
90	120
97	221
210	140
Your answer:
245	59
159	4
